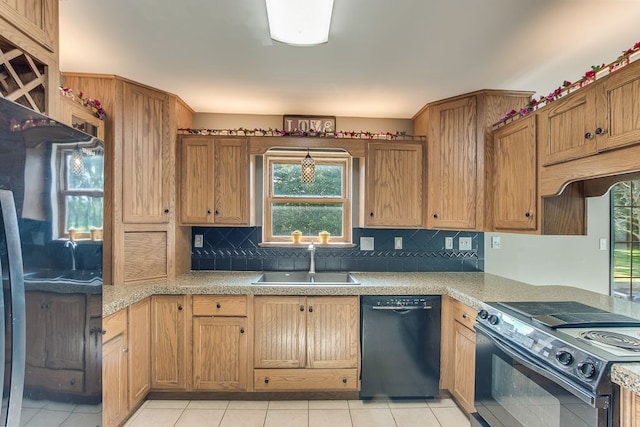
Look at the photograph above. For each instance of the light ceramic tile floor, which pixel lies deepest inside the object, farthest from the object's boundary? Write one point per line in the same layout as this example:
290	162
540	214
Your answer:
299	413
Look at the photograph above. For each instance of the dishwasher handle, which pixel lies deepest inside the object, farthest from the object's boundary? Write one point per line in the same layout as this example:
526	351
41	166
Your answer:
401	308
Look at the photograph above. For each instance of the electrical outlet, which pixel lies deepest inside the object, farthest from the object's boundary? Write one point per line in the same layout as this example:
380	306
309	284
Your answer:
448	242
198	241
495	242
366	243
397	243
603	244
464	243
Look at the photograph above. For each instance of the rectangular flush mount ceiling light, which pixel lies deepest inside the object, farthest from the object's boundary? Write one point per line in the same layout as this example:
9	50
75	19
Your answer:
299	22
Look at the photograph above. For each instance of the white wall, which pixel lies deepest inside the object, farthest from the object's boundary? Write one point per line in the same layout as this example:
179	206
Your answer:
556	260
252	121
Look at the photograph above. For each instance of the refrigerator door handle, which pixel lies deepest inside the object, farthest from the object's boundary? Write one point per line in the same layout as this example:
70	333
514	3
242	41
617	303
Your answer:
18	320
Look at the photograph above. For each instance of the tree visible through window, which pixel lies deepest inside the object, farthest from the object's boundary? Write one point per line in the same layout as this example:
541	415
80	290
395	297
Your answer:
625	232
311	208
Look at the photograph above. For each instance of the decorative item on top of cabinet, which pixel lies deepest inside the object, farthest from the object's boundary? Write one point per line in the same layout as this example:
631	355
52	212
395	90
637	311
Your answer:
455	130
215	179
394	185
220	343
81	118
318	347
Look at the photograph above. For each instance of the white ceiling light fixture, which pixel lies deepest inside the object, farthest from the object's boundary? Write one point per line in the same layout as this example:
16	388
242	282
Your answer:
300	23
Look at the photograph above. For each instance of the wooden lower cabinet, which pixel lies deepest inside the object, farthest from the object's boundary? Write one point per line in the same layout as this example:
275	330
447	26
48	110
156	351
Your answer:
115	364
139	352
306	343
629	408
220	353
457	367
169	341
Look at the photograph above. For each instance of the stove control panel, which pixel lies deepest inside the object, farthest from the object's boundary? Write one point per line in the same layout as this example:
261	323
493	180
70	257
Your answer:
545	346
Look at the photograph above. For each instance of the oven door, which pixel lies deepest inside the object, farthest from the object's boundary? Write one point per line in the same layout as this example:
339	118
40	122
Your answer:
513	390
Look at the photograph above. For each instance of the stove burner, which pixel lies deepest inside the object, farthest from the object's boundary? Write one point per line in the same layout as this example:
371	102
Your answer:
614	339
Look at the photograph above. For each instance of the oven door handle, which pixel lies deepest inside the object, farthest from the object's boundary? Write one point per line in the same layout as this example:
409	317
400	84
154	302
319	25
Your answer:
595	401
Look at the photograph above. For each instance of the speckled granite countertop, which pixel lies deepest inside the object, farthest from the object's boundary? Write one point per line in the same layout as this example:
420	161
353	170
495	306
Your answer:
469	288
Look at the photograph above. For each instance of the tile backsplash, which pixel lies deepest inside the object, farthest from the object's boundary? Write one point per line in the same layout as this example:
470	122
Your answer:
237	248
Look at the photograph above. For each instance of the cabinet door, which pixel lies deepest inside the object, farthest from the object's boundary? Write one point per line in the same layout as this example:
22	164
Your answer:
618	112
465	366
145	152
567	127
452	165
169	341
220	353
333	332
394	185
114	381
280	325
197	172
231	180
139	351
514	176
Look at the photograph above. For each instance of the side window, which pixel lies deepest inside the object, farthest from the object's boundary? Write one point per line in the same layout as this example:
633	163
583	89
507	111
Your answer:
290	204
625	240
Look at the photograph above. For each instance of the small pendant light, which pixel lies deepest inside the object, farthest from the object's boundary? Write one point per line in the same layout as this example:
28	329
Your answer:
308	169
77	161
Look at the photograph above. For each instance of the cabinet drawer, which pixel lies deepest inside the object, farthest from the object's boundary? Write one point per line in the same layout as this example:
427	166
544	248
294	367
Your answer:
464	314
114	325
305	379
219	305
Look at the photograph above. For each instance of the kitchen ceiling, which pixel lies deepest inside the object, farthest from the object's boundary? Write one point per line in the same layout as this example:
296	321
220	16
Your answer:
383	59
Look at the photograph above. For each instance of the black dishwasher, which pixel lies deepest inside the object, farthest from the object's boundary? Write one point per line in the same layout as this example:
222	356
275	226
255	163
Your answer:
400	346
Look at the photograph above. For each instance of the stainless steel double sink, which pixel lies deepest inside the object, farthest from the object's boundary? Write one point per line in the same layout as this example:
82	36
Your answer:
303	278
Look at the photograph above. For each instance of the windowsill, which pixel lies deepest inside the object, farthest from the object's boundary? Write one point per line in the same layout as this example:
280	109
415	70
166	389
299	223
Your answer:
305	245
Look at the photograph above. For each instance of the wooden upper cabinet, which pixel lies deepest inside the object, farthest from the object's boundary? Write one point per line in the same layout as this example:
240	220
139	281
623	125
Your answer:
514	181
394	188
197	180
567	127
37	19
618	113
215	180
145	151
452	165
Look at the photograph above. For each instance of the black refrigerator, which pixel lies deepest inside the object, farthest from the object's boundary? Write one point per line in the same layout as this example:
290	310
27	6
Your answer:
51	217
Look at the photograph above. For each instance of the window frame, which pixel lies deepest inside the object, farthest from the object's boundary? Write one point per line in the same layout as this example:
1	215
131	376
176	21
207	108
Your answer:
631	279
63	191
321	158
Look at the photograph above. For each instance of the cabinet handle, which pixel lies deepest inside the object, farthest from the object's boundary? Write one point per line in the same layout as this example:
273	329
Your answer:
218	305
588	135
217	212
302	308
166	211
435	216
104	332
528	214
371	214
180	307
344	380
125	350
310	309
599	131
73	381
242	330
266	380
208	211
464	315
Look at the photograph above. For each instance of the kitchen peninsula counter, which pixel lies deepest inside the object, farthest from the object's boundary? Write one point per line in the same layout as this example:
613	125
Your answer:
469	288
